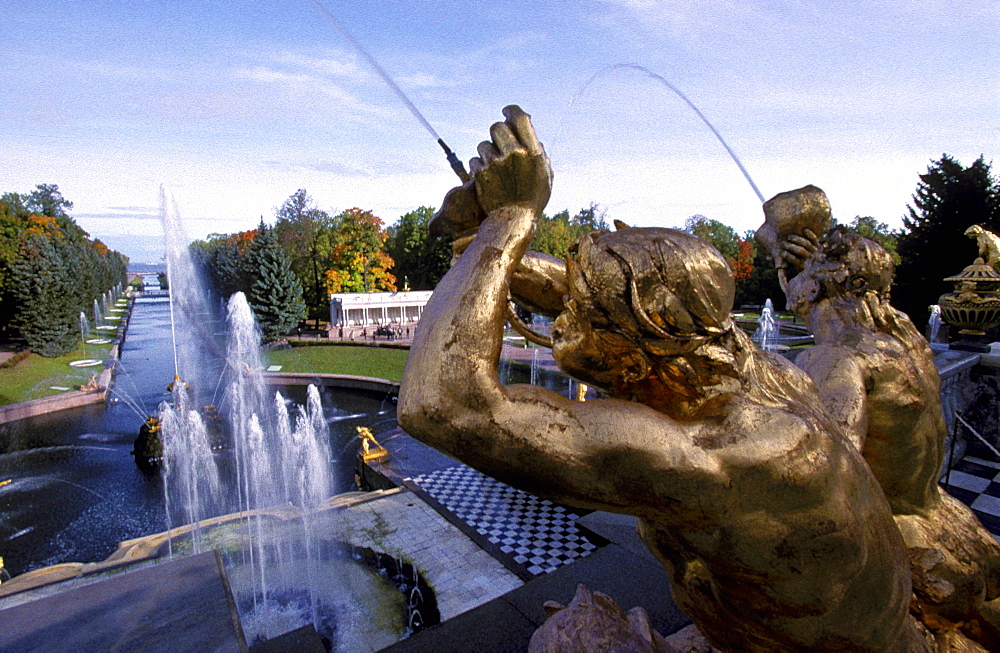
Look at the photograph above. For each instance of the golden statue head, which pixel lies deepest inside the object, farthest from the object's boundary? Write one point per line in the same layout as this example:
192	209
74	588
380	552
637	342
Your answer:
640	291
846	265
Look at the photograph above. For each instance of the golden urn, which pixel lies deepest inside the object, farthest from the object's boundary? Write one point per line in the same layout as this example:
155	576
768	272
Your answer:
974	306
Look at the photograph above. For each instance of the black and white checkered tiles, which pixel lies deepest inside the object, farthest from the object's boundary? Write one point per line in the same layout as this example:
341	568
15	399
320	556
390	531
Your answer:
537	533
976	482
543	536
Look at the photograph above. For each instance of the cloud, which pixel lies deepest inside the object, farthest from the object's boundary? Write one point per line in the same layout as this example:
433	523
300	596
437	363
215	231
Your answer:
337	64
306	87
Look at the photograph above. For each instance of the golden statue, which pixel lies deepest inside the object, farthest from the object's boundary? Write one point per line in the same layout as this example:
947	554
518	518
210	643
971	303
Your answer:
773	531
876	376
371	450
988	244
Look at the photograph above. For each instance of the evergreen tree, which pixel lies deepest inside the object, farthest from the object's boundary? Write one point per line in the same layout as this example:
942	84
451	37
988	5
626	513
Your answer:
948	200
35	229
43	289
275	294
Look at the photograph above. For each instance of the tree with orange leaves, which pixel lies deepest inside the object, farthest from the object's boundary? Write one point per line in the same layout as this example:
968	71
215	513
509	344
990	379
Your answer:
742	263
358	261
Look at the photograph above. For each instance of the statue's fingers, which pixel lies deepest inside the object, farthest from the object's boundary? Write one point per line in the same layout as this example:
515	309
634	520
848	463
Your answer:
788	257
520	123
487	152
475	165
811	235
798	240
503	138
797	250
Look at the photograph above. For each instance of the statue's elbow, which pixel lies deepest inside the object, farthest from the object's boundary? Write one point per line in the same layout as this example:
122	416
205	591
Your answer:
427	415
418	412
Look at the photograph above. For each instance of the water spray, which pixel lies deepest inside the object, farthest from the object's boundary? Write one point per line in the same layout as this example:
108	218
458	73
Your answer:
678	93
453	160
173	326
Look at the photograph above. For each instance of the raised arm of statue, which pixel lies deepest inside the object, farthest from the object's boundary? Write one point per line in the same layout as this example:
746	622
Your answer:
794	221
451	397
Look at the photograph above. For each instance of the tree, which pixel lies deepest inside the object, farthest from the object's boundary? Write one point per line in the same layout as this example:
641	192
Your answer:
880	232
949	198
274	295
304	233
223	258
419	258
554	235
358	262
722	236
762	284
50	269
739	252
43	290
742	263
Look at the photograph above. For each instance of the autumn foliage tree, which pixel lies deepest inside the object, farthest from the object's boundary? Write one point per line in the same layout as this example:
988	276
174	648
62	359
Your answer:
358	261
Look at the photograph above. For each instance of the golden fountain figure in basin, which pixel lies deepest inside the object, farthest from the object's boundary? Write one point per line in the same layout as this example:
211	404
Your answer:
772	528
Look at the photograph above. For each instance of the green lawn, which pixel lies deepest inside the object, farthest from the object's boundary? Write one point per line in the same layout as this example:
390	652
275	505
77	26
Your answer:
34	376
380	362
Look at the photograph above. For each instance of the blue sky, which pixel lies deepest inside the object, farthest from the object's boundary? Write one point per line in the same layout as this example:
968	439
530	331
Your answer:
235	105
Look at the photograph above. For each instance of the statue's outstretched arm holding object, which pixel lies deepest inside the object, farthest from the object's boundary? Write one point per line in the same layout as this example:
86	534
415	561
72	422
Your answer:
452	397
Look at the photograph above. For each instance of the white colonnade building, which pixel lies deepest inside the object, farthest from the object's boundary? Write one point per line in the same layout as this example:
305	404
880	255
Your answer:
359	309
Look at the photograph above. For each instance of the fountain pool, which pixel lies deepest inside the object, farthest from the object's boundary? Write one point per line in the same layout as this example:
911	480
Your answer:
75	491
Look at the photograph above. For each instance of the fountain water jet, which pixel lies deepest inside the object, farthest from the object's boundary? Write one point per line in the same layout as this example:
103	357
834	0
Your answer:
281	462
934	324
682	96
84	332
280	544
767	332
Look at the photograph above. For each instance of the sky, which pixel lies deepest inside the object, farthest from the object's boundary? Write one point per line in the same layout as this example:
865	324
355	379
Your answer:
233	105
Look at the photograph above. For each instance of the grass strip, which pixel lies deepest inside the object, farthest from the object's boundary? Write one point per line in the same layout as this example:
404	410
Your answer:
379	362
33	377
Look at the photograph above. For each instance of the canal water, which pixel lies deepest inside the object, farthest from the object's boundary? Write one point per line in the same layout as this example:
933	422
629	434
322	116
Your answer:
74	490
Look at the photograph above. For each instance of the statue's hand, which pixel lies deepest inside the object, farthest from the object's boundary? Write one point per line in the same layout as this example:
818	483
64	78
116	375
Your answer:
796	249
460	213
512	169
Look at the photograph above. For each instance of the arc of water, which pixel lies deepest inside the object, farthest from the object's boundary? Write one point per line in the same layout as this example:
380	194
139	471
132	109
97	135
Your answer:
678	93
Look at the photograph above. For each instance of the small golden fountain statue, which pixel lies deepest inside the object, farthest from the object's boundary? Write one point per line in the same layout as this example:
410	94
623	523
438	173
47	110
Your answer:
371	450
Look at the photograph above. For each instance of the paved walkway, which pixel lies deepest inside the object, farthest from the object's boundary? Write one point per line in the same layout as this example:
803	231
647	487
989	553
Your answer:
399	523
551	554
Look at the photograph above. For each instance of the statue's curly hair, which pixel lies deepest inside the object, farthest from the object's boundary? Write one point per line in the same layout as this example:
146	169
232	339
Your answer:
655	285
855	263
